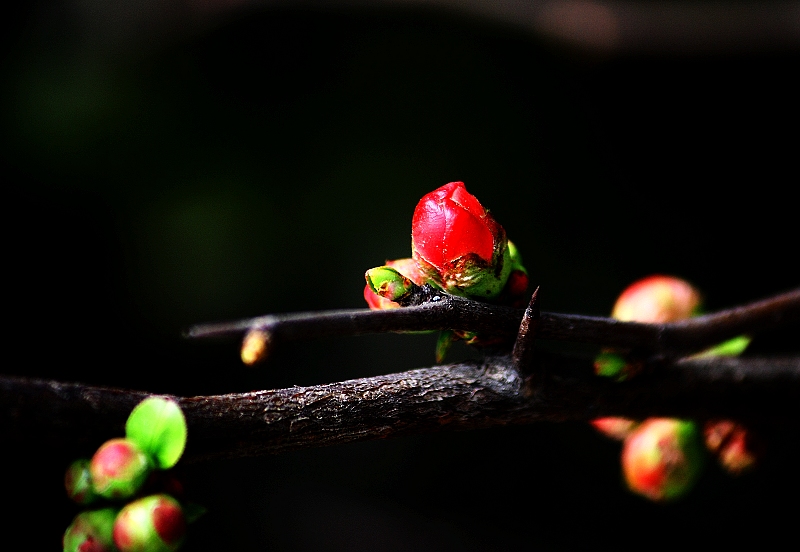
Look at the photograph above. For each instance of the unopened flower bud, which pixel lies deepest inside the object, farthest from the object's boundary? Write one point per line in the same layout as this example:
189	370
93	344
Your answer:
155	523
119	468
255	347
78	482
91	531
407	268
657	300
662	458
388	283
458	244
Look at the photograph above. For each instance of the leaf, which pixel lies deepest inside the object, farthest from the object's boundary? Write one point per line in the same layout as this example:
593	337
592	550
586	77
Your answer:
158	426
733	347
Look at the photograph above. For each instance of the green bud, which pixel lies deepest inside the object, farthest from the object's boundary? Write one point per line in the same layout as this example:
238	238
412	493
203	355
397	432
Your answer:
388	283
78	482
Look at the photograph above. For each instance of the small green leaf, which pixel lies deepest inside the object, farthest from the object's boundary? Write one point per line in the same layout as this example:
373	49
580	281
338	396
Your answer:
158	426
732	347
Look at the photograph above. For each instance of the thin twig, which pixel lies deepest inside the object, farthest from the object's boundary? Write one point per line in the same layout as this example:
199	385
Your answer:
448	312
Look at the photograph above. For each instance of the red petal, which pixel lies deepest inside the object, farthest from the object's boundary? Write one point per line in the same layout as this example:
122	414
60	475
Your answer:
465	234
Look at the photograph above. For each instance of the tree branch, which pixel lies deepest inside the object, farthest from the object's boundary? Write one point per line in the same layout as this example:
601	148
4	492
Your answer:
435	310
462	396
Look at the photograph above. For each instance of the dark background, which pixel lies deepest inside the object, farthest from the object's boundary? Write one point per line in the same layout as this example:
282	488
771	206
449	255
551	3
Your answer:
164	167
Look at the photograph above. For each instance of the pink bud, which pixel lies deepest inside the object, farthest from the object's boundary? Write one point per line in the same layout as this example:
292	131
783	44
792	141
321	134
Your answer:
152	523
657	299
118	469
662	458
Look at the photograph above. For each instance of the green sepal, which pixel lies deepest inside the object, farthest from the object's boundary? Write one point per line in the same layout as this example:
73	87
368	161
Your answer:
514	258
443	343
157	425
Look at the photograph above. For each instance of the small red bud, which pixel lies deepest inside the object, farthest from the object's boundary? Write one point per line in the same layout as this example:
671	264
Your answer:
118	469
735	446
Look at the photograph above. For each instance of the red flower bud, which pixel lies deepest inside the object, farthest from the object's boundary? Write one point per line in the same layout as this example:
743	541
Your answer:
662	458
457	243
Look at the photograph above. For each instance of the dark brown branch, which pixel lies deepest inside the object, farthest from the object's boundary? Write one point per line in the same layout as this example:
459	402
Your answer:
457	396
441	311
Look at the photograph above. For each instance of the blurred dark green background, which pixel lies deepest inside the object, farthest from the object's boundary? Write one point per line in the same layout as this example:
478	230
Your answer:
211	162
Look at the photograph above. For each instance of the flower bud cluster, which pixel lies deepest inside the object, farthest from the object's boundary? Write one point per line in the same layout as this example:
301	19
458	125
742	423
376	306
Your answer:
126	485
456	246
662	457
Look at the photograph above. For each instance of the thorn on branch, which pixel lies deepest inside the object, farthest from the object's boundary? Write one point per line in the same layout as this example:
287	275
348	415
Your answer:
522	354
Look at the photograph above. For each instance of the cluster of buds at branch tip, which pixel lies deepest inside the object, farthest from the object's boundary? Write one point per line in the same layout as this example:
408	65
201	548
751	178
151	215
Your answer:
660	457
458	247
131	469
